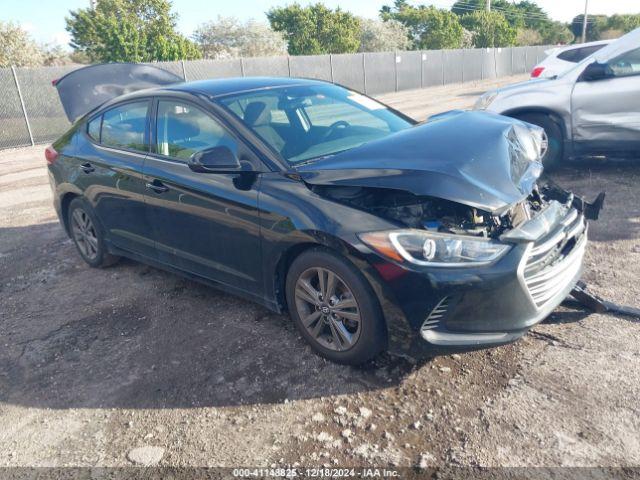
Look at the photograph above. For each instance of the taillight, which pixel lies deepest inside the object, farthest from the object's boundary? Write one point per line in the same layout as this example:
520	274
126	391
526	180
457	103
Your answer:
537	72
50	154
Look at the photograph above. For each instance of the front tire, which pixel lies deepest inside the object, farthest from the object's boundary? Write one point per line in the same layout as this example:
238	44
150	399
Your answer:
555	138
87	235
334	308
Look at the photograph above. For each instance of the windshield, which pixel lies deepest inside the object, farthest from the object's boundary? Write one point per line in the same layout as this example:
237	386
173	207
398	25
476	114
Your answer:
306	122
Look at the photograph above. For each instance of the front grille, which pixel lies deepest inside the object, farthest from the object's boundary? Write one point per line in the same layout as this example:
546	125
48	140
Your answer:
555	260
436	315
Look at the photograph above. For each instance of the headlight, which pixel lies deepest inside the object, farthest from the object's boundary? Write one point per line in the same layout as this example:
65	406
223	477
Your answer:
485	100
421	247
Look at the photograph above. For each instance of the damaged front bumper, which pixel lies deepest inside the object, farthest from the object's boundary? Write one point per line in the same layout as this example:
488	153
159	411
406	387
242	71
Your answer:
498	303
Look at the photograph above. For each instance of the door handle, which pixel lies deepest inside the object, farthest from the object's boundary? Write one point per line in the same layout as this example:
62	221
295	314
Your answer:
157	186
87	168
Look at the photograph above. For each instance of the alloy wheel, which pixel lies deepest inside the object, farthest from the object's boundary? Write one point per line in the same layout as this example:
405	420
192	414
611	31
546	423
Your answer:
544	145
84	234
327	309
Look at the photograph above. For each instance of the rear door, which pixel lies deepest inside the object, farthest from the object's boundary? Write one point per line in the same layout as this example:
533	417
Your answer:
112	153
203	223
606	112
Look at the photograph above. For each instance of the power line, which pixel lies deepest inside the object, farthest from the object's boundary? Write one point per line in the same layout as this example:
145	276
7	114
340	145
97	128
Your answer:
469	7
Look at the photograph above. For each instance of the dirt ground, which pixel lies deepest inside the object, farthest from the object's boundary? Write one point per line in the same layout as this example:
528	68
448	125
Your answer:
131	365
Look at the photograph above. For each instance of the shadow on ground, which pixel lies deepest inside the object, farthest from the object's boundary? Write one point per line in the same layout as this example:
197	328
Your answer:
133	336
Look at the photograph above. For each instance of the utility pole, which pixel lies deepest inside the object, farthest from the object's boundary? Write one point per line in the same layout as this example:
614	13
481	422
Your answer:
488	5
584	21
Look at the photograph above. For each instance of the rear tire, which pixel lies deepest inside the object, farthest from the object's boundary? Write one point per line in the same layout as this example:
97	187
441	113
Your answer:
87	234
346	325
555	137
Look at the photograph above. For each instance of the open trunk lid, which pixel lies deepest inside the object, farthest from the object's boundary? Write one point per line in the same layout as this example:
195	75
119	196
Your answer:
84	89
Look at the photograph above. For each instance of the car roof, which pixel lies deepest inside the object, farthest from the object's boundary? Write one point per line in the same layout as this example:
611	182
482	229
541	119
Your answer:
229	86
214	88
555	51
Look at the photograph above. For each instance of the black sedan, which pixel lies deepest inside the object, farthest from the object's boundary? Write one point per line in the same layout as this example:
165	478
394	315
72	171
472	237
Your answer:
372	231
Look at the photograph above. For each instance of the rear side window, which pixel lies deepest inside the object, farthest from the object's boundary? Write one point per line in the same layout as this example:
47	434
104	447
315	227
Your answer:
183	130
93	128
578	54
124	126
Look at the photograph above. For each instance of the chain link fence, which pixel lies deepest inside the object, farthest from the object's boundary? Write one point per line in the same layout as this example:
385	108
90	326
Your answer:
31	113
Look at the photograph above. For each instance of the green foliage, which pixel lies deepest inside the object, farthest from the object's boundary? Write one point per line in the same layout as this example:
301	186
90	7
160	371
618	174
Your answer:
129	31
490	29
528	36
624	23
595	25
17	48
556	33
429	27
525	16
316	29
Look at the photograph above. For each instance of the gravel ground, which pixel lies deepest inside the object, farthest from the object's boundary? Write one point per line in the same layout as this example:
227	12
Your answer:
134	366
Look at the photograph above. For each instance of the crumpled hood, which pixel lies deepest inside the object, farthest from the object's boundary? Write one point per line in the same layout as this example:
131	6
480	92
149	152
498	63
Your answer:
473	158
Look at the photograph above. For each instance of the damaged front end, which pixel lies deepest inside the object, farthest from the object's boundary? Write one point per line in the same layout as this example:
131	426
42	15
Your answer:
493	251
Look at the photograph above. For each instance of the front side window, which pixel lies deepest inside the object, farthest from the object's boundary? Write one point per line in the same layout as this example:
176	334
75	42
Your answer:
302	123
183	129
627	64
124	126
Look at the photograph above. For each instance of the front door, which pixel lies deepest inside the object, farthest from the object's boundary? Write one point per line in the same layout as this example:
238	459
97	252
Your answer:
606	112
204	223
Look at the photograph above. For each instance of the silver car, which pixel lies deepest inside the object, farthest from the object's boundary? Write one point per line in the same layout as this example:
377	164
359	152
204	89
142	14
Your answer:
591	110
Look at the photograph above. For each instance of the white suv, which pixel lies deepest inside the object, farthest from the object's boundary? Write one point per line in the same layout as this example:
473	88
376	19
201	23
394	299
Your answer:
561	59
593	109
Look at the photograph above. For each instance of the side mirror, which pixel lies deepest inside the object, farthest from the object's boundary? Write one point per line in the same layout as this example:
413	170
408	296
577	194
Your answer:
215	160
595	71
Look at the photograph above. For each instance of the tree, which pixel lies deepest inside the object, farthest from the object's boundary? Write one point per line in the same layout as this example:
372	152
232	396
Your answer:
490	29
595	25
227	37
18	48
379	36
316	29
129	31
528	36
623	23
556	33
429	27
522	15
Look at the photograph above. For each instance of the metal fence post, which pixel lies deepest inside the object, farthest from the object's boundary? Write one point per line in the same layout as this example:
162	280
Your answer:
364	71
331	66
24	109
512	72
184	71
242	67
289	64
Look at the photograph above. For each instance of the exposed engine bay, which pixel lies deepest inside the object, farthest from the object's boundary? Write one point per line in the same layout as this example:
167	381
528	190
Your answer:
445	216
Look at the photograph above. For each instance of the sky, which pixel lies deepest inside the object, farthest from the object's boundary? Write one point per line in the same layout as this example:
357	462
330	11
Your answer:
44	19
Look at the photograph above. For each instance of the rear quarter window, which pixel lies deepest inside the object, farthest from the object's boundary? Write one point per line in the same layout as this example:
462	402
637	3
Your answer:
576	55
93	128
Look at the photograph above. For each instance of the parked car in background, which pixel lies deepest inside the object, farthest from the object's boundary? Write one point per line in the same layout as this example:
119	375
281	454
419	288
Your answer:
591	110
370	229
561	59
